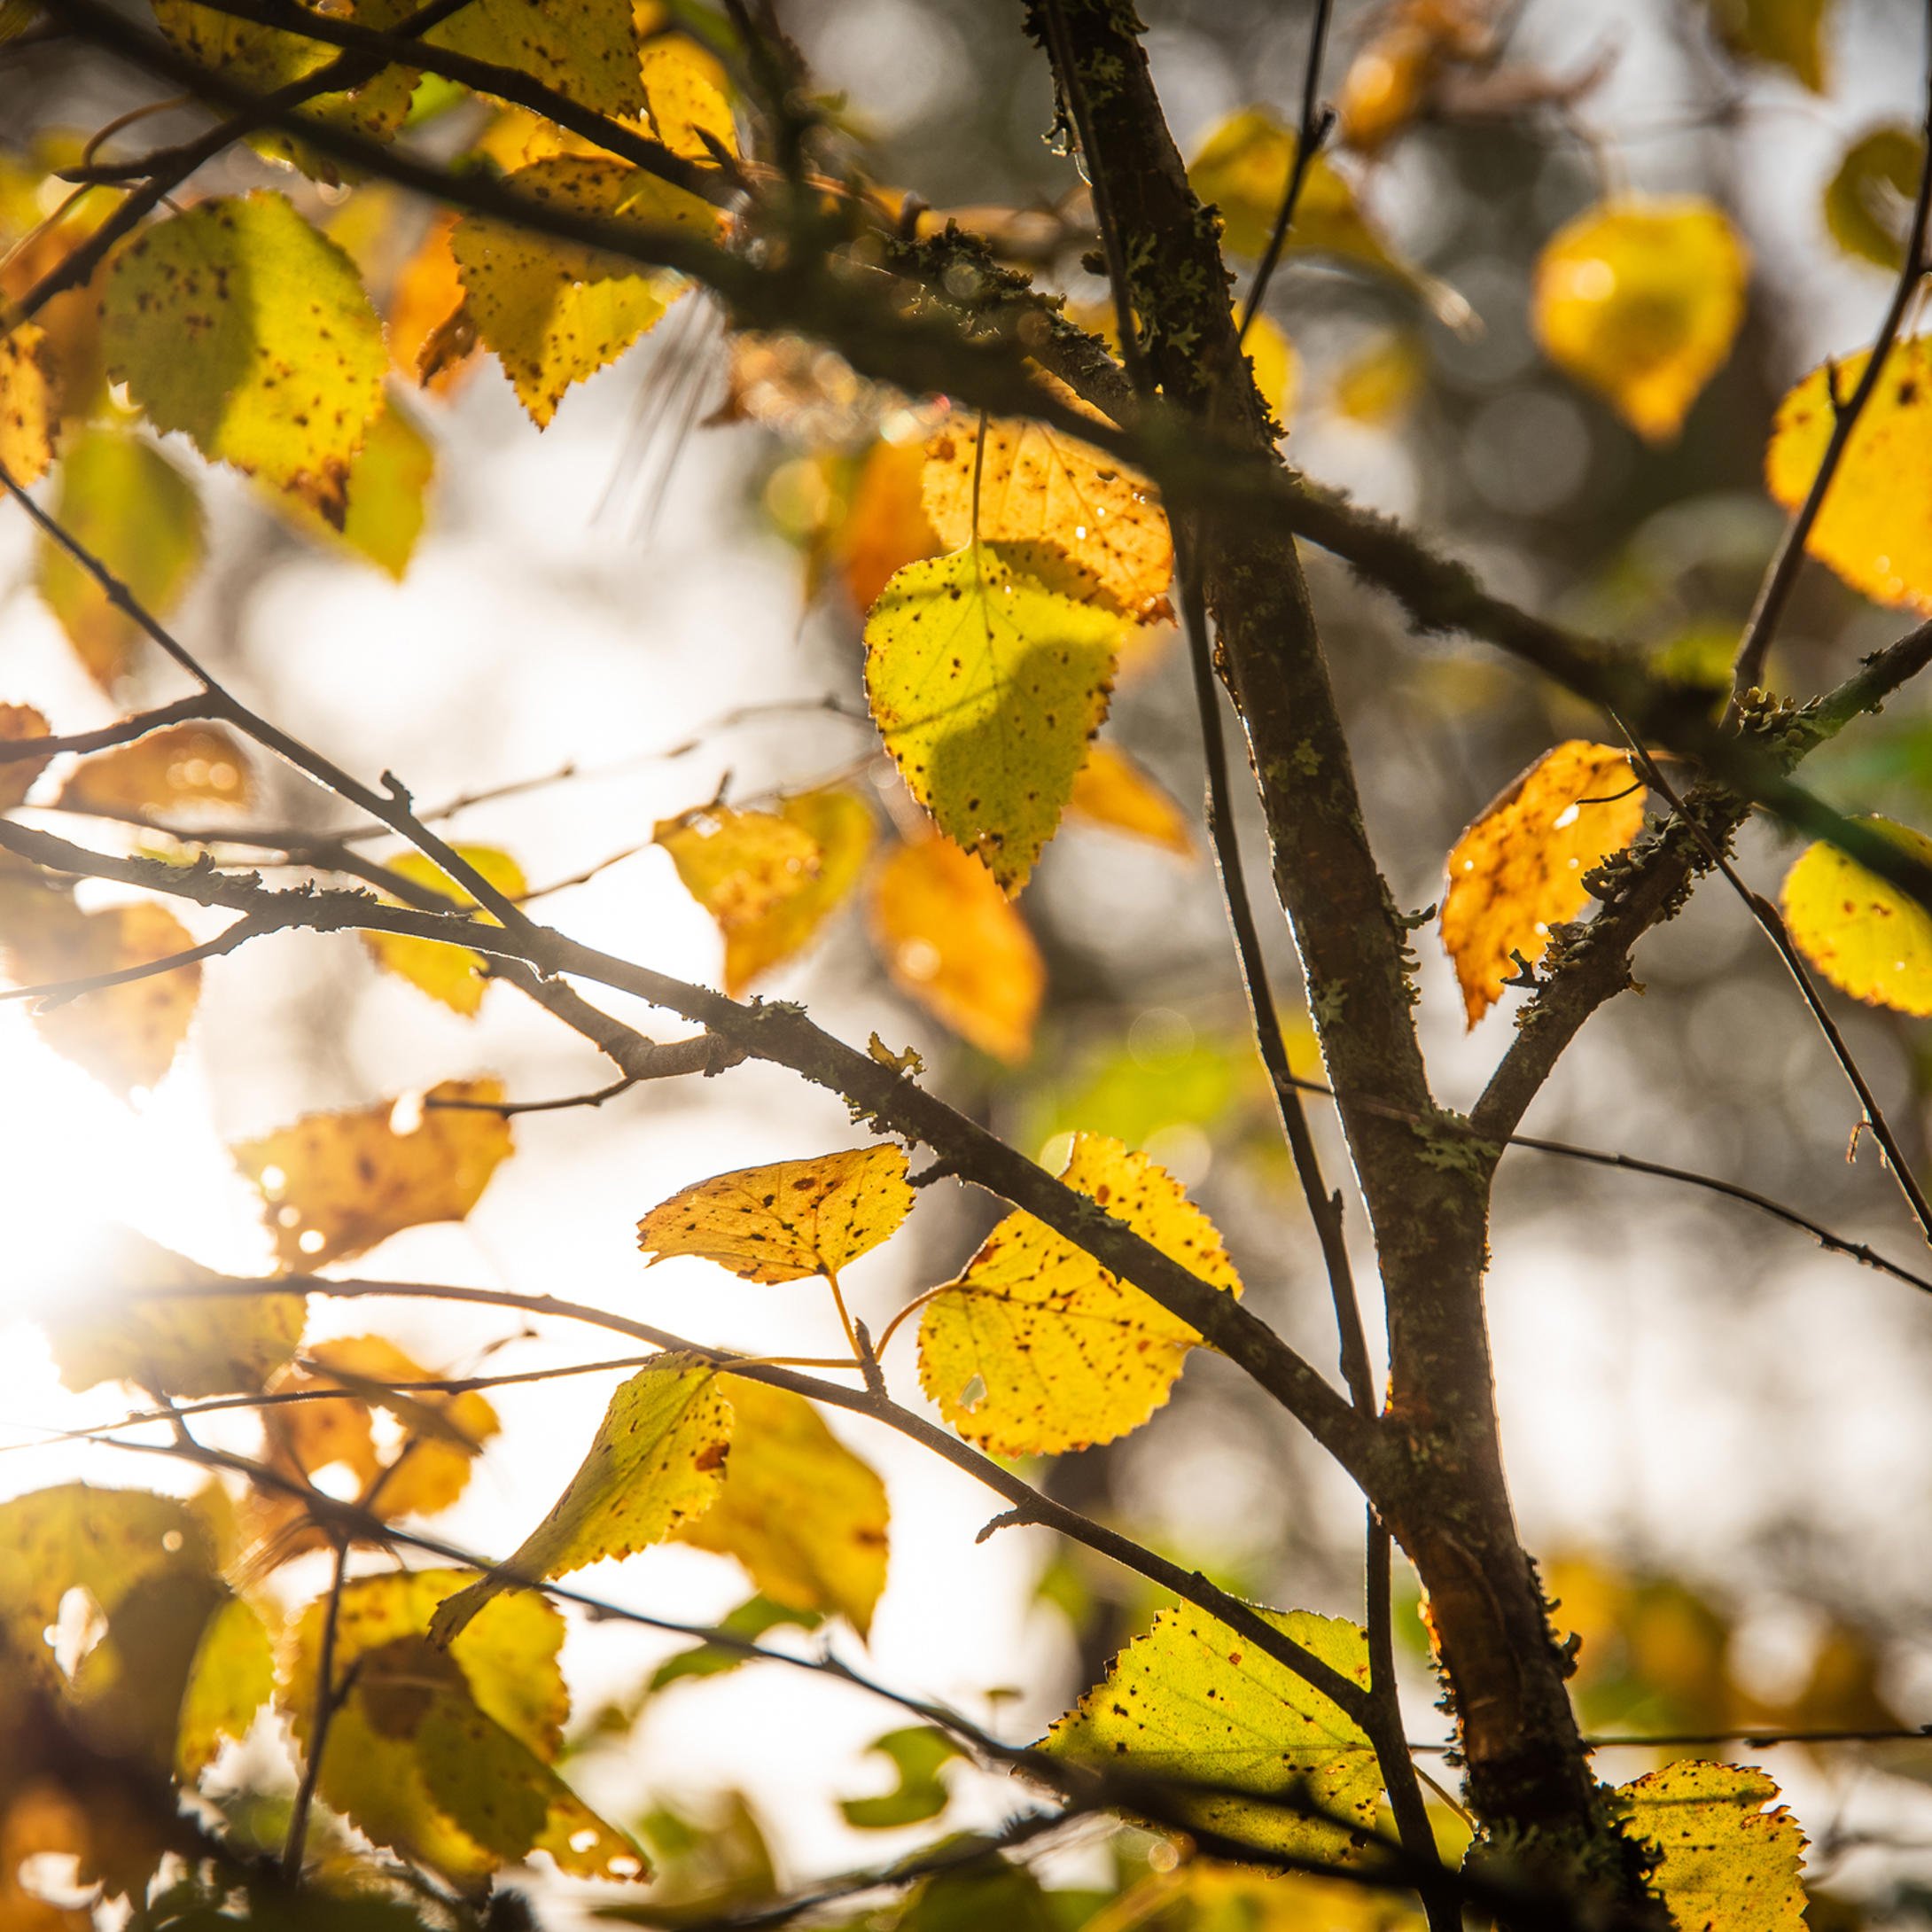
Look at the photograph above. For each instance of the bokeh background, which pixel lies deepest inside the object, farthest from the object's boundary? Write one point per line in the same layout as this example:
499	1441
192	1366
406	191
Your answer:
1719	1436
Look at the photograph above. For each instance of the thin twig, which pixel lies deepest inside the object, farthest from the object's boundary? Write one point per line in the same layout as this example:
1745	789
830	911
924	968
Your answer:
328	1697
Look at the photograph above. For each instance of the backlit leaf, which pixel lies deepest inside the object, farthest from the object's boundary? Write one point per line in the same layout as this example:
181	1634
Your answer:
29	405
839	823
885	525
18	722
1519	870
124	501
1039	487
555	313
953	941
786	1221
334	1185
739	866
1192	1700
659	1460
1641	299
452	974
1113	791
126	1036
1865	935
1868	201
1875	527
986	687
918	1753
1276	367
585	50
232	1677
1723	1860
238	324
1377	386
804	1515
687	93
386	496
184	764
1035	1348
1788	33
749	1621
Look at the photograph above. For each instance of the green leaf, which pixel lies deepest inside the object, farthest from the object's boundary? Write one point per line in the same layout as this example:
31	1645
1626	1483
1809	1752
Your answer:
995	1893
1725	1863
1868	201
1191	1700
241	325
658	1459
124	501
986	687
232	1677
749	1620
919	1753
586	49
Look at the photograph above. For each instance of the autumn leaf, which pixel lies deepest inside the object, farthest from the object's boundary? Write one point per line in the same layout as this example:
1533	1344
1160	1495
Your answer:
805	1516
1036	1348
184	765
120	498
1036	487
838	823
741	867
453	974
238	324
1862	933
1868	199
1723	1860
585	50
1377	386
659	1460
1519	870
334	1185
231	1677
1113	791
384	495
1191	1699
20	723
1788	33
1276	369
788	1221
1875	526
986	686
554	312
126	1036
29	405
1641	299
432	340
953	941
687	93
885	525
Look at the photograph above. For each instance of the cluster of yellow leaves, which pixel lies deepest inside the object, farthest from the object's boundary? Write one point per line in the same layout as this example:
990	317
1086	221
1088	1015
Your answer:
1520	868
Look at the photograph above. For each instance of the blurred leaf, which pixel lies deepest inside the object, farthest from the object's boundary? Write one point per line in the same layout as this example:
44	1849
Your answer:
839	824
1276	367
1203	1897
1379	383
125	502
1788	33
710	1867
1112	789
1188	1701
238	324
885	525
1519	870
952	941
18	722
1868	201
432	338
659	1460
1035	1348
1641	299
745	868
454	975
232	1677
1863	934
585	50
919	1753
334	1185
986	686
29	405
1724	1863
750	1620
188	764
387	492
805	1516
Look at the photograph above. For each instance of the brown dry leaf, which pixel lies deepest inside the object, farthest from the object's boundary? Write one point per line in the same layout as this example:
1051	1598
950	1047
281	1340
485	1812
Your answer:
126	1036
786	1221
17	776
334	1185
840	823
1113	791
953	941
29	405
1038	486
190	764
1519	870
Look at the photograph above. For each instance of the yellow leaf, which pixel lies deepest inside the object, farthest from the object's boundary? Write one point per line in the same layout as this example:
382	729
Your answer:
689	96
1723	1861
803	1513
1865	935
1788	33
1277	368
452	974
1868	201
1519	870
555	313
134	510
885	525
1377	386
126	1036
29	405
954	942
427	342
1113	791
1875	527
658	1461
787	1221
334	1185
240	325
1036	1348
839	823
384	495
190	764
986	687
17	776
232	1677
1059	496
739	866
585	50
1641	299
